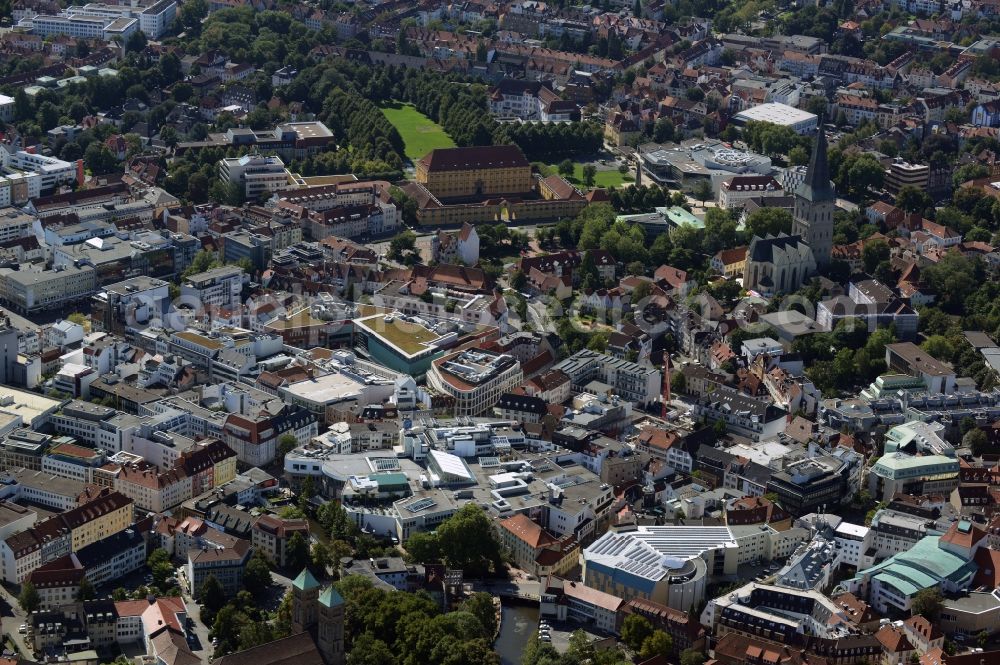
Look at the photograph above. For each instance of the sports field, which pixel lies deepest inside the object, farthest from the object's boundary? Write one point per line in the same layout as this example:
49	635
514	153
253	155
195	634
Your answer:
420	133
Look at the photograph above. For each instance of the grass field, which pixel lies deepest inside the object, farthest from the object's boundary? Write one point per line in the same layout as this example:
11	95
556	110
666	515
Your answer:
610	178
420	133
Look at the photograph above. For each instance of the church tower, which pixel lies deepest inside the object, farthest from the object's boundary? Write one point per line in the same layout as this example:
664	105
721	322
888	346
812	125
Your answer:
330	638
305	601
815	201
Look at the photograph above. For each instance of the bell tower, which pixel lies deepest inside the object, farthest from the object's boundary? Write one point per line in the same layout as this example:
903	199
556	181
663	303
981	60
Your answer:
815	201
305	598
330	639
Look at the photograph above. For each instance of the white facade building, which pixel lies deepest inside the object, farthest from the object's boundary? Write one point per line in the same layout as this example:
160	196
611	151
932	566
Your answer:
258	175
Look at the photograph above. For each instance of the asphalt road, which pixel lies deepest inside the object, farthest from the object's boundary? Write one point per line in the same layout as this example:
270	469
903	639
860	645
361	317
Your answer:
11	618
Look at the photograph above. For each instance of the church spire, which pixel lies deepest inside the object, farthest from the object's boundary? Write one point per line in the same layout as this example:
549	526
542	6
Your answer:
817	185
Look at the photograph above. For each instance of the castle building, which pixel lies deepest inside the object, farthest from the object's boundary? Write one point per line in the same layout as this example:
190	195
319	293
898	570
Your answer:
320	612
491	184
815	201
475	171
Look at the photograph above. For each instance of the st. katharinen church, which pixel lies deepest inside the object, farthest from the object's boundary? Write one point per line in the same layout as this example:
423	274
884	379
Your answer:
783	263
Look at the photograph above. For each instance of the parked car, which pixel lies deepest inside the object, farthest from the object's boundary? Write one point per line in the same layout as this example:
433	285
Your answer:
23	628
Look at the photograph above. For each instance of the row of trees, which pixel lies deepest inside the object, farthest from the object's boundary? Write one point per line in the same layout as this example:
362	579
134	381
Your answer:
551	141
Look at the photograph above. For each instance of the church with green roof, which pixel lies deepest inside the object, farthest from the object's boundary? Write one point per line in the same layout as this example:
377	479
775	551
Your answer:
319	611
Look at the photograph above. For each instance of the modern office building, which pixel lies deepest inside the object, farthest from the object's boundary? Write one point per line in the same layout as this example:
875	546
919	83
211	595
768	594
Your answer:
29	291
219	287
901	173
82	26
133	303
476	378
943	562
811	485
255	174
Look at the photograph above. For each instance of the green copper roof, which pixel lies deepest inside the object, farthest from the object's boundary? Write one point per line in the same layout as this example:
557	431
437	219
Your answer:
305	581
330	597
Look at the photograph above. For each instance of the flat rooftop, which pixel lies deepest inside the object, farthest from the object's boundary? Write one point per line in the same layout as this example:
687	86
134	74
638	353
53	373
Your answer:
327	389
410	338
28	406
919	359
778	114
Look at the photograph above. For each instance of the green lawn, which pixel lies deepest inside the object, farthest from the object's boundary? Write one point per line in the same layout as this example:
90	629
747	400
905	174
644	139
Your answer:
420	133
610	178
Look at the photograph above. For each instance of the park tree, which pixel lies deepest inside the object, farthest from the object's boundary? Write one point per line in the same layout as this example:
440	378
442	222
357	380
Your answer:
658	644
928	603
424	547
160	565
297	552
402	246
286	444
86	590
369	650
798	156
977	441
768	221
211	595
99	159
702	190
873	254
913	199
468	541
28	599
320	556
663	131
566	168
953	277
635	630
480	605
692	657
257	577
589	173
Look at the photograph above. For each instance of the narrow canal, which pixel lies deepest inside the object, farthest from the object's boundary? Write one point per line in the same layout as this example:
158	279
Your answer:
518	625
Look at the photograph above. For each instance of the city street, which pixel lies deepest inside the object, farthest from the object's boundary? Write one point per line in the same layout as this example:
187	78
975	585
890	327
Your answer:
11	618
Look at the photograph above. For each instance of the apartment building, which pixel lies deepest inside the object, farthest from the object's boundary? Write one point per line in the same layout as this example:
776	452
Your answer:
104	514
207	465
733	193
271	535
115	556
226	564
19	187
71	461
44	489
631	381
14	223
51	171
134	302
